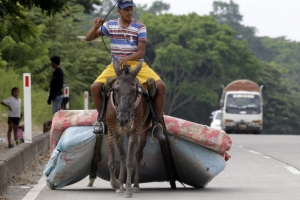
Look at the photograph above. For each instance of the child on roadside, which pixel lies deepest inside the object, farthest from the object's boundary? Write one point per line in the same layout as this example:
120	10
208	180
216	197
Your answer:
14	115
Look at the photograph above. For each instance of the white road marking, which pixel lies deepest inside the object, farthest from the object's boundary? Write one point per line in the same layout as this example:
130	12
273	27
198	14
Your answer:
255	152
267	157
241	146
25	187
35	191
293	170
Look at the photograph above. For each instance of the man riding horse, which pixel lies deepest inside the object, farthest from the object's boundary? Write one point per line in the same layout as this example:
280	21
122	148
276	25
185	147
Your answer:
128	39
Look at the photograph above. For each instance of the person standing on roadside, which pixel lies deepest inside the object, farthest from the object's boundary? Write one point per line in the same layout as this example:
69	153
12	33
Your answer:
13	103
56	85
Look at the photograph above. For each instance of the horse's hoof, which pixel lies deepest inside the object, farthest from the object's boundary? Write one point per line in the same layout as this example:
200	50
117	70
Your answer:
136	190
115	185
128	194
121	190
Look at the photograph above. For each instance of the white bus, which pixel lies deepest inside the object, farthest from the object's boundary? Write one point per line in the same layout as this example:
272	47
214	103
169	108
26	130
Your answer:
242	107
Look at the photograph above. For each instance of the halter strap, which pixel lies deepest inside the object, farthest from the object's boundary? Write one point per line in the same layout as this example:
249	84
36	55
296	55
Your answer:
136	103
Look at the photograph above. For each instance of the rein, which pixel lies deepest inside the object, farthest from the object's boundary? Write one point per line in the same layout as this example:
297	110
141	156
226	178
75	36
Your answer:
102	26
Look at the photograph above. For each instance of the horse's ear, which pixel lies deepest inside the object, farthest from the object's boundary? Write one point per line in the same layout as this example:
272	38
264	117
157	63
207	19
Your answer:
117	66
137	69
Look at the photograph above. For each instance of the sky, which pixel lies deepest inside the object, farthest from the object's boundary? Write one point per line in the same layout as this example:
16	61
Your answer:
273	18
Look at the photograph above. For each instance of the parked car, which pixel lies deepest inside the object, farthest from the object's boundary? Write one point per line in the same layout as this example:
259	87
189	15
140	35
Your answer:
216	119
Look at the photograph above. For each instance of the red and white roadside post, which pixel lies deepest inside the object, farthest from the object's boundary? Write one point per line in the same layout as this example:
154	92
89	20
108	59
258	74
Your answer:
67	94
86	100
27	108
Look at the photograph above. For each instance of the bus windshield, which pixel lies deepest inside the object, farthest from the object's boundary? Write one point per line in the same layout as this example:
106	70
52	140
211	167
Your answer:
247	103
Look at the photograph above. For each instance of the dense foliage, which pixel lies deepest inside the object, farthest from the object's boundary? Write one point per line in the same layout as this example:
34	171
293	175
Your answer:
14	22
279	75
193	54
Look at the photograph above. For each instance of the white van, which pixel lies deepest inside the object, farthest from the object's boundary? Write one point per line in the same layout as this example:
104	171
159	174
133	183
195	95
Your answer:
216	120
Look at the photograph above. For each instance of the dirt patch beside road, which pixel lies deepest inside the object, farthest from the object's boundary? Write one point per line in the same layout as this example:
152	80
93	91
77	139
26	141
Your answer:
21	184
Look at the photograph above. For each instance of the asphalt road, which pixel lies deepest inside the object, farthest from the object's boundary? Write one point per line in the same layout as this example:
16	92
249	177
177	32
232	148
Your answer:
262	167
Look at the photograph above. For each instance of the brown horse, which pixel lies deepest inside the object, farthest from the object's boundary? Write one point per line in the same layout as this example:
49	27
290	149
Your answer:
127	115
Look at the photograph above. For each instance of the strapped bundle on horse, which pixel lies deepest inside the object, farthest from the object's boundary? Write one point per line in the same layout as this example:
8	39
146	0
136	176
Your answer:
199	152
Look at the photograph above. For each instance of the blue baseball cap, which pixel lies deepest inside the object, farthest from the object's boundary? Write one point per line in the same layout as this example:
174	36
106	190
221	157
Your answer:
125	3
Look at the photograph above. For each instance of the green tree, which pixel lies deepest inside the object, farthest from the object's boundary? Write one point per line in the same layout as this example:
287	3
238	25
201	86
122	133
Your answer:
157	7
14	22
79	59
279	75
82	61
3	63
228	13
284	86
194	55
27	56
89	5
281	112
287	56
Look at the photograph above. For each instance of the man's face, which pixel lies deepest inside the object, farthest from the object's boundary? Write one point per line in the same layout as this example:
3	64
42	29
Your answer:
53	64
16	93
126	13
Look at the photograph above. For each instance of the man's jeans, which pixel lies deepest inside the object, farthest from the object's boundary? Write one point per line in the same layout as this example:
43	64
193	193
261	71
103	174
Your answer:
57	103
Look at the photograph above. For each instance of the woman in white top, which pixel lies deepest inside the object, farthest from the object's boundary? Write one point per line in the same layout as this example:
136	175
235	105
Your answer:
14	115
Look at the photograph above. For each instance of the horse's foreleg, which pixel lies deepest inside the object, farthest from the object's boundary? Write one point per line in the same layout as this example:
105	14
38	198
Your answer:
111	163
129	165
120	145
139	157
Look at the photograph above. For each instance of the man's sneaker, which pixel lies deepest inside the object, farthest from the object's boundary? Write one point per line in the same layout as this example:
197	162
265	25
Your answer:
157	131
11	146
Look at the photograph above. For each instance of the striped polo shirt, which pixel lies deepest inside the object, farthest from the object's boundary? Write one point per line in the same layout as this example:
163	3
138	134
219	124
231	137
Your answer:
124	41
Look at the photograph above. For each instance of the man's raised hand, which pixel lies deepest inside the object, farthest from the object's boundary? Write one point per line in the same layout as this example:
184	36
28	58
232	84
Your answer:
98	21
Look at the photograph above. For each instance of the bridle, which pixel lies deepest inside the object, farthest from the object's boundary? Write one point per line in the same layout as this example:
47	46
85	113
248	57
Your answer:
138	93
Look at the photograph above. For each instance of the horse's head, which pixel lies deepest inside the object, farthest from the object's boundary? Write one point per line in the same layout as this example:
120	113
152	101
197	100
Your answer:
126	91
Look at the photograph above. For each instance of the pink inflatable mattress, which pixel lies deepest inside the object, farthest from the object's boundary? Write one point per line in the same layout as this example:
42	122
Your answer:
216	140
